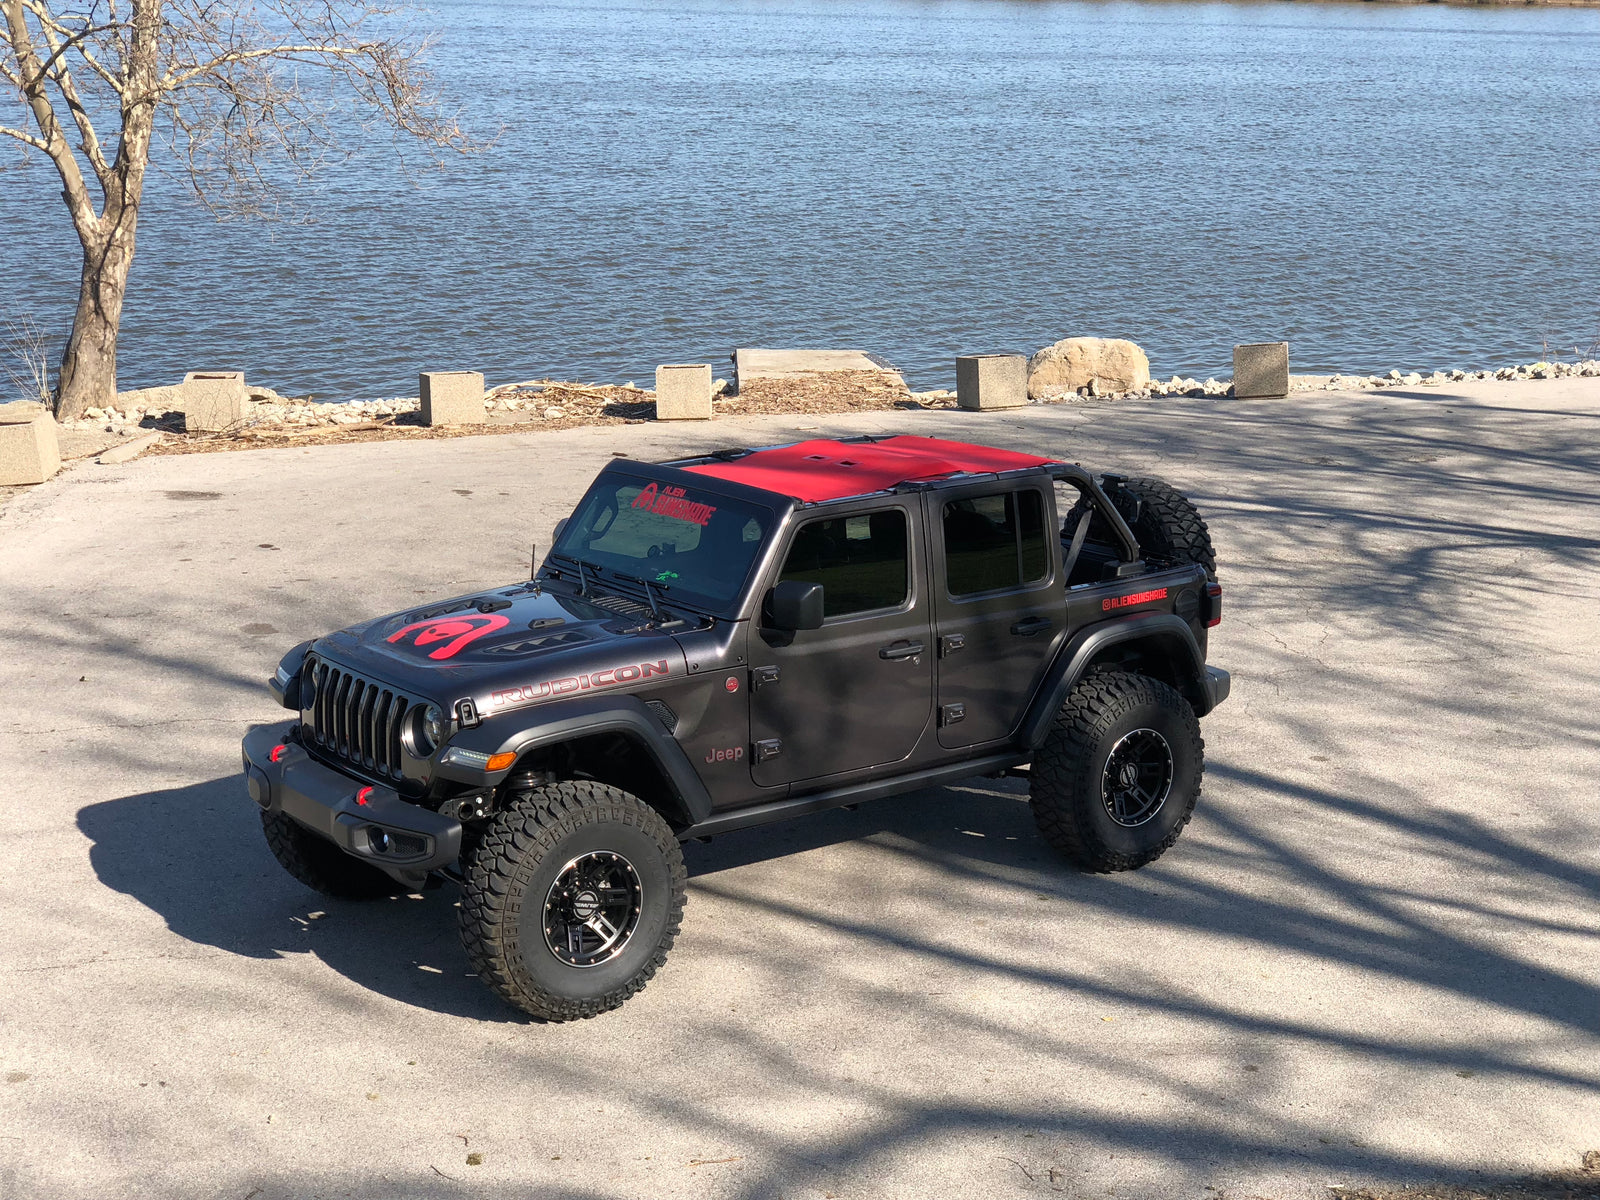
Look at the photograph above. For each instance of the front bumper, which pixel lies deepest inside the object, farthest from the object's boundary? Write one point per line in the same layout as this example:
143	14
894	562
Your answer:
370	823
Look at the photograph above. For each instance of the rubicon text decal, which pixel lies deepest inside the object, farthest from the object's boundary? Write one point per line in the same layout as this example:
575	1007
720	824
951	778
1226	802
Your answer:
455	632
1112	602
671	502
610	677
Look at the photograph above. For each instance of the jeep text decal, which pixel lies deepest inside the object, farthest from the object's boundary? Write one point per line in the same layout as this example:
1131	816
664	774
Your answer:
458	630
671	502
1111	602
610	677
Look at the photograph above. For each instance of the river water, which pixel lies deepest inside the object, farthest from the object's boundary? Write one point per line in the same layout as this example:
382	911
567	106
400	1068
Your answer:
1383	186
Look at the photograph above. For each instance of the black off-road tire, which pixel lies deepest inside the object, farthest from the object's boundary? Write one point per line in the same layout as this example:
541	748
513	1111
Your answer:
1164	521
531	845
1070	792
322	866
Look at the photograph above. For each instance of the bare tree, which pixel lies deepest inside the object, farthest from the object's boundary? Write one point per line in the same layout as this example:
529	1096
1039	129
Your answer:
224	84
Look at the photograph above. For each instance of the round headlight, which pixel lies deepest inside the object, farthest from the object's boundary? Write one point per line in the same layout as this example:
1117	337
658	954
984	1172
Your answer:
430	732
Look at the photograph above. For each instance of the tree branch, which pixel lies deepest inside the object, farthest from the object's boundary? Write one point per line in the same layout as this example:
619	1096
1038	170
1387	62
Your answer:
27	138
54	144
53	28
50	25
288	53
80	115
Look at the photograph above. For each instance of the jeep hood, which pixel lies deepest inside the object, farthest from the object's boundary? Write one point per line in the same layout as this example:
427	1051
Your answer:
508	648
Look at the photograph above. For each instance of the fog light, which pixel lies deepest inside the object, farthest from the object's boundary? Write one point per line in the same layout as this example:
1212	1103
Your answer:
378	839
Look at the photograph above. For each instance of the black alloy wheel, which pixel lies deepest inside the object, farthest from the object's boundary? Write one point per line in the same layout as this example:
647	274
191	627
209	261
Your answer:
1137	777
592	909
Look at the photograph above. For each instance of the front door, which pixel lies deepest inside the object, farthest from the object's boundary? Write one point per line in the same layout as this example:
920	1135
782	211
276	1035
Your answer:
1000	611
857	692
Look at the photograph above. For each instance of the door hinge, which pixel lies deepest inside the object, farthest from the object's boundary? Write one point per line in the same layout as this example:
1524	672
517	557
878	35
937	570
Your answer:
761	676
952	714
768	750
950	643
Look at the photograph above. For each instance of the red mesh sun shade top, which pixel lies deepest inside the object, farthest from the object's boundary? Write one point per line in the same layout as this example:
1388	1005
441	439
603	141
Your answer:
823	470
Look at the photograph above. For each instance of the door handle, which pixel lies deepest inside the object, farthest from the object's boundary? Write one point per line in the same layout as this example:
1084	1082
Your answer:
902	650
1029	626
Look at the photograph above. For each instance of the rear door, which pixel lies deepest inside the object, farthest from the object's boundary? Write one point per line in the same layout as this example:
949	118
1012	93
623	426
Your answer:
999	608
857	692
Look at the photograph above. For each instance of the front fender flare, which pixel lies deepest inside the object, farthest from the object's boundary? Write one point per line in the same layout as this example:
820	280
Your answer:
1074	658
549	724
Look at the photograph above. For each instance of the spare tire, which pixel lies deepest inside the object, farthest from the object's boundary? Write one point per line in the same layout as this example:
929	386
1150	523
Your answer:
1165	521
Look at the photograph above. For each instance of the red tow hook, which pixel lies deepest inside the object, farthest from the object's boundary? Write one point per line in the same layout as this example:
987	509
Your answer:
364	796
277	752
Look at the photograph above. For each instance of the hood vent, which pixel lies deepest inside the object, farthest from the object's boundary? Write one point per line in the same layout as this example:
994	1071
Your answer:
549	641
439	610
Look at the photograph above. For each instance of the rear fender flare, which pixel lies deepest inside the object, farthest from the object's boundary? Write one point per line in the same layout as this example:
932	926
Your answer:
551	724
1072	661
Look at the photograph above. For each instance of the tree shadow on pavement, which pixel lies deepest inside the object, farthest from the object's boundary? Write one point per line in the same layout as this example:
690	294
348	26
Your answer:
195	856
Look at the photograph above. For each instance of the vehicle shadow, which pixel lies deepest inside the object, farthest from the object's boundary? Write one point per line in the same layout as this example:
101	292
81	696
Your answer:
195	856
225	890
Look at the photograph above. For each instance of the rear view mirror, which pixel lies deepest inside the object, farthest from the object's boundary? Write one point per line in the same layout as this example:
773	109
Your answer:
795	605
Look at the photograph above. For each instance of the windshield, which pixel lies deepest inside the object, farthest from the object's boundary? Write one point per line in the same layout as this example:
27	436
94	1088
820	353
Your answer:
698	548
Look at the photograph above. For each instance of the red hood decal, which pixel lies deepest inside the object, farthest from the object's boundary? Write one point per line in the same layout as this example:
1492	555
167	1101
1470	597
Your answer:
454	631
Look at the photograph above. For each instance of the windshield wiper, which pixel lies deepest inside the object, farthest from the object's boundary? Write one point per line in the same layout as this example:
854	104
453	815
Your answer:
583	580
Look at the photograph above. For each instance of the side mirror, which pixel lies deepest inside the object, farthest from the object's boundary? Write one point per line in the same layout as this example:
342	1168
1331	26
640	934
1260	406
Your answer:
795	605
560	525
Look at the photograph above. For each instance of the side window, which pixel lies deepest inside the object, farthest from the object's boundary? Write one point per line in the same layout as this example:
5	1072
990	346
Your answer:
859	561
995	542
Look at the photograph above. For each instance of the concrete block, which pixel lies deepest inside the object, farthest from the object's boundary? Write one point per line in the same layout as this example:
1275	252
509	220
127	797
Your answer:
29	452
683	392
1261	369
990	381
213	400
452	397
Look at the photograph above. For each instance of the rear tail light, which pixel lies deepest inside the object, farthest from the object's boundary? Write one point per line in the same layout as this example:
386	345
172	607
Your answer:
1213	604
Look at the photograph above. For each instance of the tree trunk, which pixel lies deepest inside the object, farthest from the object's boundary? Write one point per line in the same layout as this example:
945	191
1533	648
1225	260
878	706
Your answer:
89	365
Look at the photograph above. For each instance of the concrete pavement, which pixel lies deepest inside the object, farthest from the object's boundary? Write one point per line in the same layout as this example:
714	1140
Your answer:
1370	957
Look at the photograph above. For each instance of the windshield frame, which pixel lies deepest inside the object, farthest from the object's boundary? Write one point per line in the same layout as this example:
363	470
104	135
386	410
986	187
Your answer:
773	512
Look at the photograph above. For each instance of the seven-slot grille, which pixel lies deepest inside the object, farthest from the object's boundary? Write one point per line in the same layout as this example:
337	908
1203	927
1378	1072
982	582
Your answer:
356	719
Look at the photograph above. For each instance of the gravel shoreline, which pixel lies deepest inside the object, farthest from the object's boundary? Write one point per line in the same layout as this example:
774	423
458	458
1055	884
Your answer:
556	404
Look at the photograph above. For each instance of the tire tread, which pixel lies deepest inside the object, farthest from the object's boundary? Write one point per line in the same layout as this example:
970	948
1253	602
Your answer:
1058	791
534	823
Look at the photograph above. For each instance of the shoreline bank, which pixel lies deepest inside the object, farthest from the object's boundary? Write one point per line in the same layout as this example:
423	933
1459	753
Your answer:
548	404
